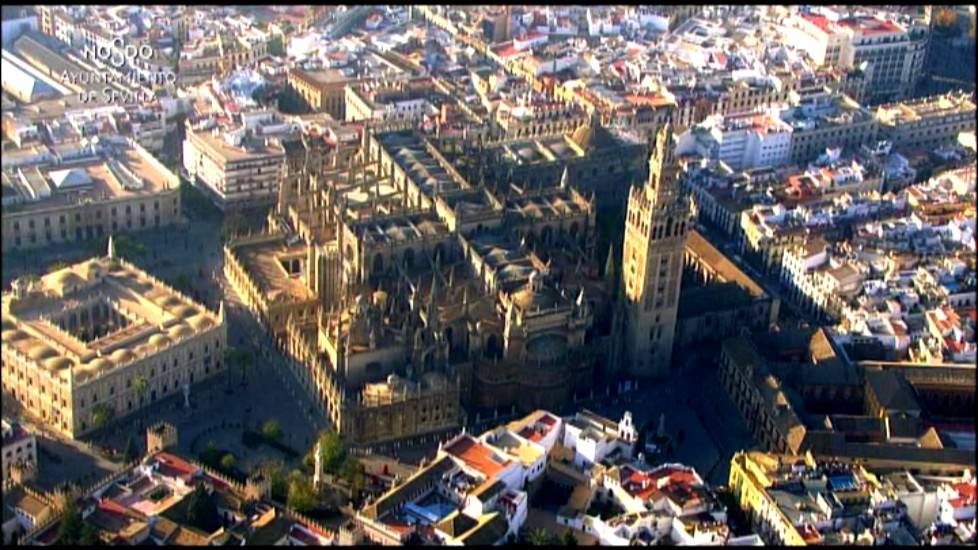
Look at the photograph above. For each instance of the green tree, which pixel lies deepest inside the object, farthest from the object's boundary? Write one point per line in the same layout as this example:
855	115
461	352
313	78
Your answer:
139	386
89	536
245	362
58	264
101	415
227	462
352	472
302	497
70	530
201	511
275	46
238	358
211	455
945	17
270	430
129	450
275	471
182	283
333	455
233	223
538	537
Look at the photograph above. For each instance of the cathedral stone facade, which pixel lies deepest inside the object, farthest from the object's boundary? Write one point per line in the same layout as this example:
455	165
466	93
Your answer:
407	296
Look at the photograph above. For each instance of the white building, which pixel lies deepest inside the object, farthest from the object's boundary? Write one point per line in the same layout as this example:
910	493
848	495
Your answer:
19	448
592	437
741	141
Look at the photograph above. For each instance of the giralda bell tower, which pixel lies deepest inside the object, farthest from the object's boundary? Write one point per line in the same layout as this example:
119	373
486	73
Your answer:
652	264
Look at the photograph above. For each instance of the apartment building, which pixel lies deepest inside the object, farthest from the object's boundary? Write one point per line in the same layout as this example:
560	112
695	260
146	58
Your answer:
825	41
828	121
930	122
893	50
236	169
740	141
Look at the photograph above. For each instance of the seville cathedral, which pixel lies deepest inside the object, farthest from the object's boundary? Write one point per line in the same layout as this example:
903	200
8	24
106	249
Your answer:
406	295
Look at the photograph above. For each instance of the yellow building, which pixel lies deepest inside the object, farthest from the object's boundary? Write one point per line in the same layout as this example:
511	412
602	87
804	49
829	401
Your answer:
794	500
57	203
751	473
101	339
321	90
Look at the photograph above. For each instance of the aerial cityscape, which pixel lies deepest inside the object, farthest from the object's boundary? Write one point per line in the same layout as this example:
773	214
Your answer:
677	275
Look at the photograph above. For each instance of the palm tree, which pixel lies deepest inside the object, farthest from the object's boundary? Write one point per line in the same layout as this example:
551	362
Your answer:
139	387
230	357
538	537
101	415
236	356
245	361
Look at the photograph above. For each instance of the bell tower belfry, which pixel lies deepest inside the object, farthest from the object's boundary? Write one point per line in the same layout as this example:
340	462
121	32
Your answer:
652	264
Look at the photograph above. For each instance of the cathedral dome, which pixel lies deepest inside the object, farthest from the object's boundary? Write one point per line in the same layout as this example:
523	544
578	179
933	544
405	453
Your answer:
593	136
535	296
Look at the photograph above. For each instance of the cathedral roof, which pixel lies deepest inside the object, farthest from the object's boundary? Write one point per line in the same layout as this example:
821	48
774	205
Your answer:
536	296
593	136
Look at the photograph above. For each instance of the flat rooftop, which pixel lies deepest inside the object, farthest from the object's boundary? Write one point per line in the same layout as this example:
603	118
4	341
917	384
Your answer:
477	456
323	76
253	150
127	173
263	262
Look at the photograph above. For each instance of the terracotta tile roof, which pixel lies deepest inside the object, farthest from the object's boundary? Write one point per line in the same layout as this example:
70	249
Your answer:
645	485
966	494
174	465
819	21
477	455
529	433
